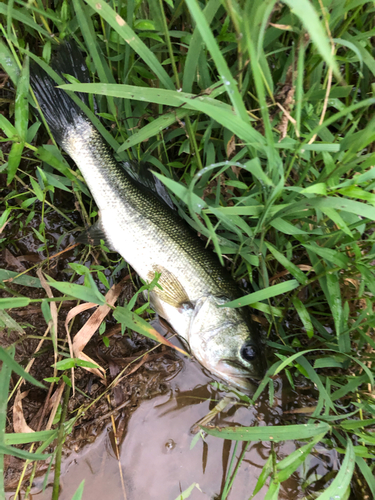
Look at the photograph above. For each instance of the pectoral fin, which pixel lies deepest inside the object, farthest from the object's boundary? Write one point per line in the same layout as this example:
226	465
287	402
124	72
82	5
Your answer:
93	235
172	292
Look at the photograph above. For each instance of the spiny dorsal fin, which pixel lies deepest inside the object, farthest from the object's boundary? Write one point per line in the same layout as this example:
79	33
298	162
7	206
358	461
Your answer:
141	174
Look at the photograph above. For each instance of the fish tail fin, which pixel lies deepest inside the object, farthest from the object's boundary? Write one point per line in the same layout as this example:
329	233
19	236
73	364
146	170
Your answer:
58	108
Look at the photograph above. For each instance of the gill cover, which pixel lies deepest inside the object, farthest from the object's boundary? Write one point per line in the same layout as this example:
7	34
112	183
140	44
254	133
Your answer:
222	341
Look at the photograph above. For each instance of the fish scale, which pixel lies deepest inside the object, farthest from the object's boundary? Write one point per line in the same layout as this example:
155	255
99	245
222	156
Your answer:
151	237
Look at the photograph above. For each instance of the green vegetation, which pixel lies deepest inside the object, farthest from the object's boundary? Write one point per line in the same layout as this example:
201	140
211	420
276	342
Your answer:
258	116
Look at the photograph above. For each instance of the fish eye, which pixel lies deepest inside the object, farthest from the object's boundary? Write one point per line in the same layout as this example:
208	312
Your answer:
248	352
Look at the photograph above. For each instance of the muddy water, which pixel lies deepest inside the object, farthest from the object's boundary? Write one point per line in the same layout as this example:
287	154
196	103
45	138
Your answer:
157	462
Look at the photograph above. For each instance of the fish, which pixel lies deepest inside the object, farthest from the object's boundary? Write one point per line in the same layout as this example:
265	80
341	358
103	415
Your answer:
153	238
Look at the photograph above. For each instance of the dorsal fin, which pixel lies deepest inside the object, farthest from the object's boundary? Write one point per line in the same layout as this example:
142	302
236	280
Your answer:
142	175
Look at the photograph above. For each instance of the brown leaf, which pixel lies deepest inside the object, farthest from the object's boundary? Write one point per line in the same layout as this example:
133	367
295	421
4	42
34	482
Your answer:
3	226
231	147
71	314
236	170
286	117
54	404
92	324
305	267
77	310
19	422
355	283
285	27
13	261
29	258
114	368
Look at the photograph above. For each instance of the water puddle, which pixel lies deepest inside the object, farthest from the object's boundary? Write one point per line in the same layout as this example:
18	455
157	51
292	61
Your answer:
156	459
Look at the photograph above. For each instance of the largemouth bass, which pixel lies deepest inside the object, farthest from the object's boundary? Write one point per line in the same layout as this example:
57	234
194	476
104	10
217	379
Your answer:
153	238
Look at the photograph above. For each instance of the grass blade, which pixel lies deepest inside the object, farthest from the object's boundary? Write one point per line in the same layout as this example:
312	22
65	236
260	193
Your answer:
267	293
24	279
5	374
309	17
195	47
338	488
28	437
14	160
9	361
23	18
79	292
153	128
14	302
225	75
290	464
367	473
157	96
8	129
304	316
88	32
24	455
274	433
138	324
79	492
123	29
292	268
8	63
22	105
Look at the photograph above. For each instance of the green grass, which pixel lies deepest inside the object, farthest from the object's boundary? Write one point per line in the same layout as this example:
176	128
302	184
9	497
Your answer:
198	90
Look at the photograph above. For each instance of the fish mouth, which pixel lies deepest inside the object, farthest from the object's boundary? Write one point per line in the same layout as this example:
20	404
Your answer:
235	373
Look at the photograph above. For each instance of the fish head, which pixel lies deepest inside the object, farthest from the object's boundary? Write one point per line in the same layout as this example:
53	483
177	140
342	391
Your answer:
223	342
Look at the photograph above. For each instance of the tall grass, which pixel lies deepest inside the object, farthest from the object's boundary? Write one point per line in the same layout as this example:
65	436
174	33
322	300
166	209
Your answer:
259	118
